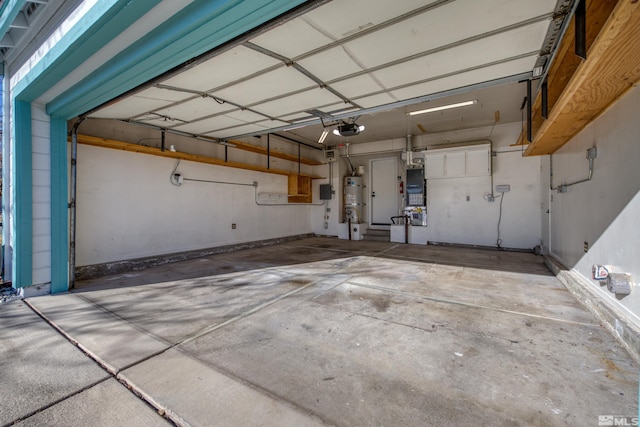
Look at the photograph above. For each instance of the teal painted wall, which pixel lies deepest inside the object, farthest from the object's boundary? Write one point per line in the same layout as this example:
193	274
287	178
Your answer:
22	162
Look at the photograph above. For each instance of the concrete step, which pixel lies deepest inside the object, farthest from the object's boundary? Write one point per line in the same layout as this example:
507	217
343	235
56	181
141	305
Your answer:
376	232
376	238
377	235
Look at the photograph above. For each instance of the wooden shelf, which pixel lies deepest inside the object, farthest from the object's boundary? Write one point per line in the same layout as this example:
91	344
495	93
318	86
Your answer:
579	91
136	148
299	189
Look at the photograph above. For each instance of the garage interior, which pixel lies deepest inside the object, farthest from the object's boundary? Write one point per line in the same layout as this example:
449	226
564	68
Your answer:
359	213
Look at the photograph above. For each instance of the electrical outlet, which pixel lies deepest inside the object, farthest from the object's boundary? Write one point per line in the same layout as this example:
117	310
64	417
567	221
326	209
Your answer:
504	188
586	246
233	226
468	198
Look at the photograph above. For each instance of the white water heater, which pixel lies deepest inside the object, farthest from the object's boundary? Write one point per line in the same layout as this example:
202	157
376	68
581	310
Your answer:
353	200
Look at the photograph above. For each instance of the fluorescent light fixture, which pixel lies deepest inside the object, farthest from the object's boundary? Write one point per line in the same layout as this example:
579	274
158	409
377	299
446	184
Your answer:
443	107
323	136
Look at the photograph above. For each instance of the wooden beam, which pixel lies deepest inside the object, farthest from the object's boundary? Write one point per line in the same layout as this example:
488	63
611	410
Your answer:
577	96
136	148
567	62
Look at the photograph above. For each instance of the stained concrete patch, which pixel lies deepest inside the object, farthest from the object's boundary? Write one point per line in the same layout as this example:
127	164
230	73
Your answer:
37	365
471	285
114	341
343	361
106	404
195	394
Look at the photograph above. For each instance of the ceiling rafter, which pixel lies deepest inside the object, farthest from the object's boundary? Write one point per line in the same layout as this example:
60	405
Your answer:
452	73
286	61
206	95
290	63
449	46
403	103
332	68
373	29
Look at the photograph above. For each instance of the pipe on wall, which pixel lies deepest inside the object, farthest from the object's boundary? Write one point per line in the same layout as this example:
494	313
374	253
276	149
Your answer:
562	188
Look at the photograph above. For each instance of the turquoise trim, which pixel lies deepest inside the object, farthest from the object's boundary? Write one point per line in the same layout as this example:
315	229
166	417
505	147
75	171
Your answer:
22	212
201	26
59	207
8	13
103	22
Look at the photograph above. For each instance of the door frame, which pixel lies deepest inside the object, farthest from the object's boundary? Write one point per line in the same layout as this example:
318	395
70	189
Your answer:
370	188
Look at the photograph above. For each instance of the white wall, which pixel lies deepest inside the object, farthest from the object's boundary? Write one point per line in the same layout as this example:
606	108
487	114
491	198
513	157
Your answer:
453	219
41	174
127	207
605	211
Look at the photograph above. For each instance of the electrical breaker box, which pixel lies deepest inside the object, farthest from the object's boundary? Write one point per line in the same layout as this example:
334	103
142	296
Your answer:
325	191
415	187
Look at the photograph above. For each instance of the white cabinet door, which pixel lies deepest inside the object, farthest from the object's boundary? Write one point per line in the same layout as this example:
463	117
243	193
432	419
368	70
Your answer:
478	162
434	165
458	162
455	164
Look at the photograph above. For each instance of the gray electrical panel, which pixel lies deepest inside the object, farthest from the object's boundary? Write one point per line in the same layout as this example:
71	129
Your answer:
325	191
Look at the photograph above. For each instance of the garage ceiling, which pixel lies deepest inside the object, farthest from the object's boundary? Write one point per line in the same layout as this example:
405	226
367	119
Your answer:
349	59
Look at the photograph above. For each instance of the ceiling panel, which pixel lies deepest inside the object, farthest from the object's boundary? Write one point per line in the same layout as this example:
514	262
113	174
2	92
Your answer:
211	124
376	100
129	107
270	85
338	108
331	64
409	44
240	130
358	86
441	26
279	39
299	102
232	65
343	18
465	79
245	116
146	100
480	52
195	109
161	122
294	116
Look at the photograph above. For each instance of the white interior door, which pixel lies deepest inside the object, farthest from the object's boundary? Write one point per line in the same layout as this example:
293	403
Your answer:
384	187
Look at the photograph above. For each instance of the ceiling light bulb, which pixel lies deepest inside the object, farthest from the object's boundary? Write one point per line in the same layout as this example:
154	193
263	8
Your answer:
336	132
361	128
443	107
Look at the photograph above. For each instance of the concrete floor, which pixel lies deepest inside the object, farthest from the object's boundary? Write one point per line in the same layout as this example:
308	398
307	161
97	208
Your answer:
317	331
